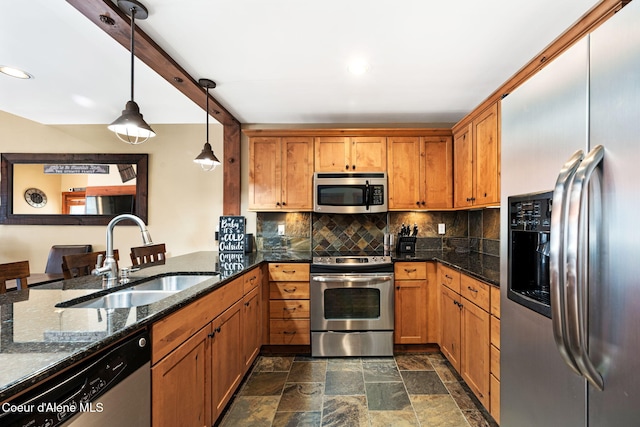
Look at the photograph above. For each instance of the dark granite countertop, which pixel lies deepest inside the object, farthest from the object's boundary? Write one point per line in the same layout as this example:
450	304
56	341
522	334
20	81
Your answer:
480	266
38	339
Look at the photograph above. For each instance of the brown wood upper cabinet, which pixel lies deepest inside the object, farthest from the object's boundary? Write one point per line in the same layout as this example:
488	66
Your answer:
476	154
280	173
420	172
350	154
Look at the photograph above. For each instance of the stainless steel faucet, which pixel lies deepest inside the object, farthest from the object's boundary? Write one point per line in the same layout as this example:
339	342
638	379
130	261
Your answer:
109	270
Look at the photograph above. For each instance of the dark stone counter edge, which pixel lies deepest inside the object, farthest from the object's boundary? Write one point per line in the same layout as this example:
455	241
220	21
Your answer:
172	304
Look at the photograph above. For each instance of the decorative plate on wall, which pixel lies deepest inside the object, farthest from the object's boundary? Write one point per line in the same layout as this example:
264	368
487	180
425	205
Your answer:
35	197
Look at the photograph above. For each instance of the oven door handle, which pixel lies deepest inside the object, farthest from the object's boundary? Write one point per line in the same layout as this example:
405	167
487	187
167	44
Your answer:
352	279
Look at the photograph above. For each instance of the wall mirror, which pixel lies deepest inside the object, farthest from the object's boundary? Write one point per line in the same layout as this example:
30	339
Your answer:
72	189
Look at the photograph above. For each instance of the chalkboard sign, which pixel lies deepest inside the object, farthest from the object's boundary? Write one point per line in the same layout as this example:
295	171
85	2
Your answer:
230	263
231	235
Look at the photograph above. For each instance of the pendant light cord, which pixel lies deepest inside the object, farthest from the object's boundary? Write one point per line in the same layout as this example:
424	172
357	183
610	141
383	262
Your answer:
207	140
133	29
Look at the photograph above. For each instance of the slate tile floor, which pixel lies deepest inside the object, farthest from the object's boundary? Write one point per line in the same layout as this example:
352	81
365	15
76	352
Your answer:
405	390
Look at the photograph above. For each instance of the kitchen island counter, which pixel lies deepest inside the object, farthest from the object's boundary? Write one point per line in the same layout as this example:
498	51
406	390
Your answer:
38	339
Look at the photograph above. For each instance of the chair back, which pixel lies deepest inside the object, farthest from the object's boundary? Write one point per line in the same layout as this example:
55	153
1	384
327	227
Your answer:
76	265
18	271
54	262
146	256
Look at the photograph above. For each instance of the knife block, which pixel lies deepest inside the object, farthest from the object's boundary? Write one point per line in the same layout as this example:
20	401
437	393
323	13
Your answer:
406	245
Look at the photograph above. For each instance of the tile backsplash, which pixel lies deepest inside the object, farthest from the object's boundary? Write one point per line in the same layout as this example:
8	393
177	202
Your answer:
465	231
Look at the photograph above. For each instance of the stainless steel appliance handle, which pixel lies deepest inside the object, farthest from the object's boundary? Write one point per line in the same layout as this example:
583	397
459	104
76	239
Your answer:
577	302
557	257
358	279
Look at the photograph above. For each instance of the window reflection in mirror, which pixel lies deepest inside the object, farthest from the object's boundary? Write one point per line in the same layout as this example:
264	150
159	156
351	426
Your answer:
75	189
72	188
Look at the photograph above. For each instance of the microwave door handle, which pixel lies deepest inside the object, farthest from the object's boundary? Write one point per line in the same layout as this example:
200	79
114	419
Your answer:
367	195
577	302
557	257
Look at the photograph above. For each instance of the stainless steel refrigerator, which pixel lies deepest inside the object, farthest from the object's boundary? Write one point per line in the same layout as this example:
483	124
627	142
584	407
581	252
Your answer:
589	96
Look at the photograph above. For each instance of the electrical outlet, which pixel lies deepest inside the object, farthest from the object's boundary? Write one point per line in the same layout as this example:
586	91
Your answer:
441	229
280	229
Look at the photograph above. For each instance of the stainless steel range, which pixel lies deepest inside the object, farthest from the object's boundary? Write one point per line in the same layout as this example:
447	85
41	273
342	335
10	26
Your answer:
351	305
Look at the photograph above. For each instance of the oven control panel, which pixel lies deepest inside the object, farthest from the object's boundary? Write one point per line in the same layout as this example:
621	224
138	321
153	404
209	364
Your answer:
351	260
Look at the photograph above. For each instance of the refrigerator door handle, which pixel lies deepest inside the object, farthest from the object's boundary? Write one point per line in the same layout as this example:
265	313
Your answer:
577	302
557	257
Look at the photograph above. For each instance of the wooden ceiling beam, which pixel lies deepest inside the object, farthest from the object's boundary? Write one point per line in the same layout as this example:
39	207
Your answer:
107	16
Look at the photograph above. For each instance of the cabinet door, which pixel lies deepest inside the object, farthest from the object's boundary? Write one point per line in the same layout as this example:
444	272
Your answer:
486	157
252	326
438	172
297	173
179	384
405	186
410	312
475	350
450	327
264	173
331	154
368	154
227	361
463	168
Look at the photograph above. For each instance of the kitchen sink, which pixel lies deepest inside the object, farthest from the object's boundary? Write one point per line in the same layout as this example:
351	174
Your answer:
124	299
147	292
172	283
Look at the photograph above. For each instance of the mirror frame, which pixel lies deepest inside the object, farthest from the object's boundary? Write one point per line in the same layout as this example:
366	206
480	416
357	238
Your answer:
8	160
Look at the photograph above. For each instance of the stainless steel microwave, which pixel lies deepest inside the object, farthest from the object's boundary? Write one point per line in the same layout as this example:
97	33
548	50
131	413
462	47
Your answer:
346	193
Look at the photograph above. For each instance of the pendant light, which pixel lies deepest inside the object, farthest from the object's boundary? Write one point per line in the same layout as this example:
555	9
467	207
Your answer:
207	160
130	127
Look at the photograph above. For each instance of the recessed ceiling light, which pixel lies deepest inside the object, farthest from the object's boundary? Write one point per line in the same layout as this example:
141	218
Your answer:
358	67
15	72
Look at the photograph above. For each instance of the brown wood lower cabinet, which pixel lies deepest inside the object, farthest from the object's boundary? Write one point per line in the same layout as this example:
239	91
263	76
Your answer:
179	386
465	330
416	313
289	304
227	361
201	352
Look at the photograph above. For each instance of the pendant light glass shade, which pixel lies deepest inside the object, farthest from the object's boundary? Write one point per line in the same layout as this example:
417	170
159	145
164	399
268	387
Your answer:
207	159
130	127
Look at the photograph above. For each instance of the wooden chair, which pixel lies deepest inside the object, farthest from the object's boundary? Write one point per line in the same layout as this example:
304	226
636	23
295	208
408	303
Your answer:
76	265
54	262
146	256
18	271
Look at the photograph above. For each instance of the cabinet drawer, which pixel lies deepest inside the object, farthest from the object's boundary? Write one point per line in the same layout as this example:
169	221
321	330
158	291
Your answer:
289	290
289	272
171	331
449	277
289	309
495	362
290	332
410	270
475	291
251	279
495	331
495	301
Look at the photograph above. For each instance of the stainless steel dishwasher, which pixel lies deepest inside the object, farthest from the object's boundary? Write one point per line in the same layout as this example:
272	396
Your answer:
112	388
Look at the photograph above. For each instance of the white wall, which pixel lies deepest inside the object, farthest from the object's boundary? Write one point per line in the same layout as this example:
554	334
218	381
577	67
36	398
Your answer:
185	203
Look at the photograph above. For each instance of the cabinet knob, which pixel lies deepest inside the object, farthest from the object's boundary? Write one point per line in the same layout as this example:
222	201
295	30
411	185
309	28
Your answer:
278	203
283	203
346	167
418	203
353	167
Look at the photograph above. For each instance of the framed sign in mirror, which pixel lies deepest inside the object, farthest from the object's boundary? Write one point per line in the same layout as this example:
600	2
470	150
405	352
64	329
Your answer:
81	189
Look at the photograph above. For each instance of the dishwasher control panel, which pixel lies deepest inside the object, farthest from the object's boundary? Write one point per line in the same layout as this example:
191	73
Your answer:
78	389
